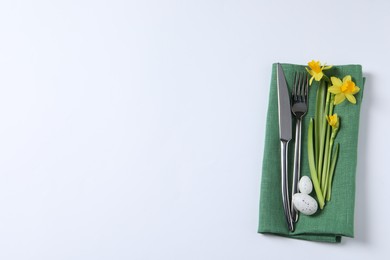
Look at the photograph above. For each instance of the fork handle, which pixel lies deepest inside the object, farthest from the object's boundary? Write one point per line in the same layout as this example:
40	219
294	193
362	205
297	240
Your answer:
284	177
297	166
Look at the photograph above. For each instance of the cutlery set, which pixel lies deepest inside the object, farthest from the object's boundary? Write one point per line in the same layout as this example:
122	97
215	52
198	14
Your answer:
297	108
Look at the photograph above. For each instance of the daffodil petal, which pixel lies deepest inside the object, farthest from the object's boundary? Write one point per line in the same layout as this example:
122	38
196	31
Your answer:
310	72
318	76
348	77
327	67
339	98
334	90
351	98
311	80
336	81
356	90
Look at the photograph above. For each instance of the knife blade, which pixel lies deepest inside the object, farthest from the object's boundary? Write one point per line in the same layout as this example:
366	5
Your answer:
285	134
285	121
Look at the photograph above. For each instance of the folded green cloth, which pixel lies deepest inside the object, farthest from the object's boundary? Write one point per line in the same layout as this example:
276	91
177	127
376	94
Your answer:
337	217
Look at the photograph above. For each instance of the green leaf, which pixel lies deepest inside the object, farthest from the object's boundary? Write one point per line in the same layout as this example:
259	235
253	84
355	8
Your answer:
332	168
325	168
312	166
320	125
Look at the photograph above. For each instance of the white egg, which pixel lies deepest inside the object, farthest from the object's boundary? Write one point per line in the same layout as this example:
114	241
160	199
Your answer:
304	203
305	185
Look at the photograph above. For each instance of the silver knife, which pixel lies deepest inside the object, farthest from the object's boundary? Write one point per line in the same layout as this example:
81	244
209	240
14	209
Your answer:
285	133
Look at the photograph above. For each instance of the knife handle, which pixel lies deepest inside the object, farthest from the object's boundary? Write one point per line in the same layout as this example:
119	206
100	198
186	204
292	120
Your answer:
285	193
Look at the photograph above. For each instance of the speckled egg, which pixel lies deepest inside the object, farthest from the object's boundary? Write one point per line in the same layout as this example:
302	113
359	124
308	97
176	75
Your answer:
304	203
305	185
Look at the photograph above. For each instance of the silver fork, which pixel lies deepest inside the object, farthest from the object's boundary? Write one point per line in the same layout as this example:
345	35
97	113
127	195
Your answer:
299	110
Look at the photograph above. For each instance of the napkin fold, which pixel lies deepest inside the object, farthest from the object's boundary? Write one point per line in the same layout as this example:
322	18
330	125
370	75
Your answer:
337	217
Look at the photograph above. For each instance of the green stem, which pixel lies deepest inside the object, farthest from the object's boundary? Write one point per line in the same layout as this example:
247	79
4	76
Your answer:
325	172
322	136
331	104
318	120
325	188
333	166
328	153
326	127
313	172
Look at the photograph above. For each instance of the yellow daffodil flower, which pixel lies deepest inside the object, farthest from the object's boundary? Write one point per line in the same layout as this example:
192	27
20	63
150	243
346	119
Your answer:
316	70
333	121
343	89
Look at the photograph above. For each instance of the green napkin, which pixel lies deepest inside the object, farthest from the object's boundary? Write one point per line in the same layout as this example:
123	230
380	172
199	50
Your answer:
337	217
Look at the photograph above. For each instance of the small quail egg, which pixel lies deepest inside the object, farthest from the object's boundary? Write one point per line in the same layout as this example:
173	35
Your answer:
305	185
304	203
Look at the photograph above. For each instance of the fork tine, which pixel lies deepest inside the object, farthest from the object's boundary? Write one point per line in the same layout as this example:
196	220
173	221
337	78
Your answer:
300	91
294	90
306	87
300	85
303	87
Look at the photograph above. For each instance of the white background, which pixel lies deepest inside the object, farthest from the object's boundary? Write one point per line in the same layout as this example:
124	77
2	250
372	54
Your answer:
135	129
